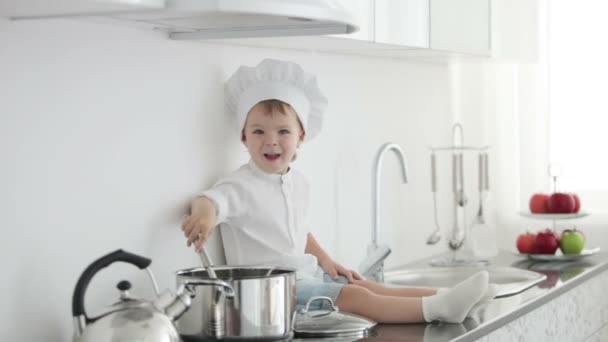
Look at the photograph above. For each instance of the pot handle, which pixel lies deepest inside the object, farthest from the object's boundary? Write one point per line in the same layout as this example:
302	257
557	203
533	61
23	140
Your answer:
228	290
93	268
332	306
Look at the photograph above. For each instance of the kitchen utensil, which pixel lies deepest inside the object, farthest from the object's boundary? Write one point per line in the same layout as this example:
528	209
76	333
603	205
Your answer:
482	235
486	172
436	234
206	261
461	197
458	166
130	319
330	323
215	325
261	306
457	235
483	186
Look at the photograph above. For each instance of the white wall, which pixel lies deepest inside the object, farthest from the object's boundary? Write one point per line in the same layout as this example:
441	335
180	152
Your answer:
106	133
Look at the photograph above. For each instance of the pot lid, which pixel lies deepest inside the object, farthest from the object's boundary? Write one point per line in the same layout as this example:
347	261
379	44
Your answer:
330	322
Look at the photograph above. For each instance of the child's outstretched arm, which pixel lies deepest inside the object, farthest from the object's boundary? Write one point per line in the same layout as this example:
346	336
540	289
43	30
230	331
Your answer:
203	218
332	268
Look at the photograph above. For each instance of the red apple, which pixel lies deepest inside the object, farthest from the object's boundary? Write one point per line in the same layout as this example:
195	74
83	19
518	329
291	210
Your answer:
539	203
560	203
577	202
525	243
546	242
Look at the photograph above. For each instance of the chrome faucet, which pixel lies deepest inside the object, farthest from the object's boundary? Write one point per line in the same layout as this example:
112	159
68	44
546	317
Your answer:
372	266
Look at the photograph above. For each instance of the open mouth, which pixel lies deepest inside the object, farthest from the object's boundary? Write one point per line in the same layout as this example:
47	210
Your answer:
272	156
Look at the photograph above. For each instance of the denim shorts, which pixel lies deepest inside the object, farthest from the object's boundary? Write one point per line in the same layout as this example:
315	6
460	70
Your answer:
312	287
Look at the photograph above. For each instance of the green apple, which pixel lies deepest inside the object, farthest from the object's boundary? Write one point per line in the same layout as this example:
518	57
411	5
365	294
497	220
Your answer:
572	241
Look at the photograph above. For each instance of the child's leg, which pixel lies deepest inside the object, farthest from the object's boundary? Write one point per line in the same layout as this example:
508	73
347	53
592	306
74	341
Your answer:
380	289
449	306
382	309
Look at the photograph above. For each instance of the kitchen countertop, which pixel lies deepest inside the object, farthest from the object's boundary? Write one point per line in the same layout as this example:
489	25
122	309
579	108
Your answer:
561	277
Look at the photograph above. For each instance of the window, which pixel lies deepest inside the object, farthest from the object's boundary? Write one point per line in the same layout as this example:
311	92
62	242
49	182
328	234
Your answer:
578	95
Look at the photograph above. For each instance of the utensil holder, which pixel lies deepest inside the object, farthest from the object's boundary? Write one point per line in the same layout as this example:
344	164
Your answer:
461	226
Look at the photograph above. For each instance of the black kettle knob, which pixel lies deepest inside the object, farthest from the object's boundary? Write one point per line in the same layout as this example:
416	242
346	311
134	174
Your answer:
123	285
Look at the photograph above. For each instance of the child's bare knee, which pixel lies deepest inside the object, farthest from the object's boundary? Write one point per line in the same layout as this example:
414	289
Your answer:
352	296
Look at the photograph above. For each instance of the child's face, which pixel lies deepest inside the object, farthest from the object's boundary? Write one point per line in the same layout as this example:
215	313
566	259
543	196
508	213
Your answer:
272	138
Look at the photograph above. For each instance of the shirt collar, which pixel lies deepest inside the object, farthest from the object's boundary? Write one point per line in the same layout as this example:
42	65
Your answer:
270	176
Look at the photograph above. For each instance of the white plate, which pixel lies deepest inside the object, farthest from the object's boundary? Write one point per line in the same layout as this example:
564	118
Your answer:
555	216
561	257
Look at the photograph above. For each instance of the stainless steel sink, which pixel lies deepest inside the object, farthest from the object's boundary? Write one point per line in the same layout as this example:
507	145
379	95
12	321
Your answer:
510	280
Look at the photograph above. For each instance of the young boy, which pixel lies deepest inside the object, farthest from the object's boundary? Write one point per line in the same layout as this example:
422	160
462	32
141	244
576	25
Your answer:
263	205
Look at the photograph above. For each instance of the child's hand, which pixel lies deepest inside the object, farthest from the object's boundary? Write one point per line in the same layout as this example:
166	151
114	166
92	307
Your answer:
334	270
197	227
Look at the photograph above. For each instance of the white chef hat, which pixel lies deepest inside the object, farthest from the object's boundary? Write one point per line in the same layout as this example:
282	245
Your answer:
278	80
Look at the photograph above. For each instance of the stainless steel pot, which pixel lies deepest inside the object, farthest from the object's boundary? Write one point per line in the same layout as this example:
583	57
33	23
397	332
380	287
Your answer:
260	305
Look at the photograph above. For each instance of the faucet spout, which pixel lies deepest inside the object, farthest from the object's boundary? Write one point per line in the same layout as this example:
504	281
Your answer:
376	189
373	265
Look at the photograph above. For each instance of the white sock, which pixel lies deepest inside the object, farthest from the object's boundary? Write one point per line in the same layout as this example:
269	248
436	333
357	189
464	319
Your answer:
485	299
489	295
453	306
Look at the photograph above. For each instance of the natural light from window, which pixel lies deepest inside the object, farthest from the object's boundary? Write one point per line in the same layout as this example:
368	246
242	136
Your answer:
578	73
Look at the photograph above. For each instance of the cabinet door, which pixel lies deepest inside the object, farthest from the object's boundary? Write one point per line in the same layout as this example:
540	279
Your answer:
460	26
449	25
519	42
401	22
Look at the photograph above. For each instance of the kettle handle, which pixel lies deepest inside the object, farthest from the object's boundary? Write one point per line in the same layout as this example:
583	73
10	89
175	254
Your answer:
96	266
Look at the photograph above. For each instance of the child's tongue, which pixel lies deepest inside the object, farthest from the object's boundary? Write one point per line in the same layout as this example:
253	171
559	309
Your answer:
272	156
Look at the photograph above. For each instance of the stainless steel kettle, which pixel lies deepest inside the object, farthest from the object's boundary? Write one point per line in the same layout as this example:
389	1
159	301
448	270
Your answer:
129	319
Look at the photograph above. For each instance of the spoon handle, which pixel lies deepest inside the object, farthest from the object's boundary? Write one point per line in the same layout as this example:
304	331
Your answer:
206	260
486	173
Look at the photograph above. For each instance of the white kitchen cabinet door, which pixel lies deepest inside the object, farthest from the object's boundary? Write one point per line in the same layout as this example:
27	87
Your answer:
521	42
35	8
461	26
402	22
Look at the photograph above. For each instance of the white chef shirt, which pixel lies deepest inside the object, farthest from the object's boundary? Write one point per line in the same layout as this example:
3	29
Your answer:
263	218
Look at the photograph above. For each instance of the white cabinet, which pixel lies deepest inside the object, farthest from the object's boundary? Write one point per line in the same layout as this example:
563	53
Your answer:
26	8
518	42
462	26
395	28
419	29
394	22
402	22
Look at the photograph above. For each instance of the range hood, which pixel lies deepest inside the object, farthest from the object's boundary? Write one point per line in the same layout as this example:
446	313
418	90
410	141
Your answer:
210	19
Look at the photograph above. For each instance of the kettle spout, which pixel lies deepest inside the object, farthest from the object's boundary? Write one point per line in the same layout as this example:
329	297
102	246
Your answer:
173	305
